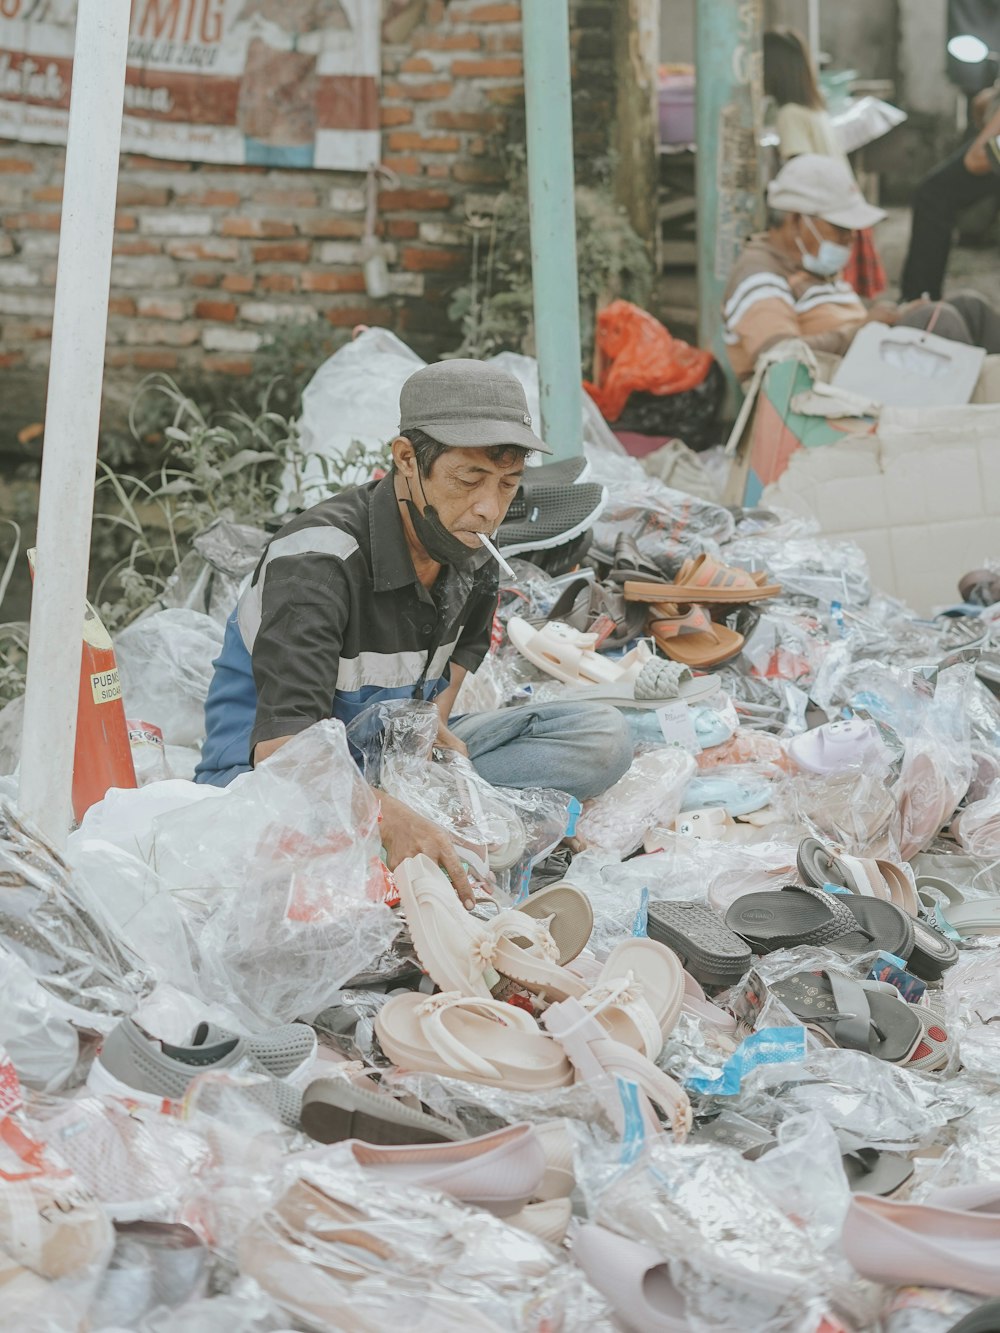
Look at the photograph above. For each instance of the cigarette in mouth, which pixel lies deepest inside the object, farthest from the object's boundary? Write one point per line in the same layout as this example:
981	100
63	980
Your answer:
496	555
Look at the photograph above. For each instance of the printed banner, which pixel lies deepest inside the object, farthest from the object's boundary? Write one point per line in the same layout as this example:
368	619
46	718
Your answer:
287	83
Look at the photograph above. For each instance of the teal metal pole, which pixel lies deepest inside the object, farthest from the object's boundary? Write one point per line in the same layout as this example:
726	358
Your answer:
545	32
729	72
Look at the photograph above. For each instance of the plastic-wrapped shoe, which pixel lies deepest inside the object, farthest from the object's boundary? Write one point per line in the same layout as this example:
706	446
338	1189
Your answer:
287	1052
137	1067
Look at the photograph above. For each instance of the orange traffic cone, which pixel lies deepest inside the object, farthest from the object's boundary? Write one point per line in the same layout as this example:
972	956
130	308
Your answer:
103	755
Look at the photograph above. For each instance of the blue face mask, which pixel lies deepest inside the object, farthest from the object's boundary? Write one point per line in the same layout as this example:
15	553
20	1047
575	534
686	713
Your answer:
830	259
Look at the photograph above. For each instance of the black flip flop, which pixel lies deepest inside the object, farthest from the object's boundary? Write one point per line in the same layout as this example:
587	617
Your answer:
932	953
797	914
858	1016
711	952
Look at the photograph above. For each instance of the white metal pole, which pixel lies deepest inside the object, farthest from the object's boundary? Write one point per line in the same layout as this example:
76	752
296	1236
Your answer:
72	414
813	38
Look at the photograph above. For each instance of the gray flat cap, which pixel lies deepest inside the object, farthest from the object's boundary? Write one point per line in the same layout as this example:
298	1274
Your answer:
467	405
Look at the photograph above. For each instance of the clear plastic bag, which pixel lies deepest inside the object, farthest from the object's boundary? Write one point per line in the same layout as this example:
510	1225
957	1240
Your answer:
40	1040
126	893
649	794
166	664
55	1239
812	568
208	578
500	833
736	1258
90	975
290	885
438	1266
977	828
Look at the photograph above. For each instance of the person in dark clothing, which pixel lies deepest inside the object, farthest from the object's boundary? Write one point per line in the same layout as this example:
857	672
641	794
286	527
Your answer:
964	179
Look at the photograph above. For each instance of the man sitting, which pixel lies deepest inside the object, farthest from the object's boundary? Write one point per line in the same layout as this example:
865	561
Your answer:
786	283
385	591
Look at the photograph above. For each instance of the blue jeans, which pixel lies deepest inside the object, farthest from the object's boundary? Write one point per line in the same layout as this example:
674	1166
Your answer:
581	749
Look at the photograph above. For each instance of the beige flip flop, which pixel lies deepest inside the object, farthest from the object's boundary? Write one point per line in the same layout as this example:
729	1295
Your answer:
442	932
638	996
567	913
483	1041
609	1066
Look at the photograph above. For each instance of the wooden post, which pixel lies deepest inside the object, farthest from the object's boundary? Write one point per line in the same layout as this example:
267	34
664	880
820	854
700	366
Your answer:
636	47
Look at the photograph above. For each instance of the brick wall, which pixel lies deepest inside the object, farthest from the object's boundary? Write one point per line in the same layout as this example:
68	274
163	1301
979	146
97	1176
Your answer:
207	258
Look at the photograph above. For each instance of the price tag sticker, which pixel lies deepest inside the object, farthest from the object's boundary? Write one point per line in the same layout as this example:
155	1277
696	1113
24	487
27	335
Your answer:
677	724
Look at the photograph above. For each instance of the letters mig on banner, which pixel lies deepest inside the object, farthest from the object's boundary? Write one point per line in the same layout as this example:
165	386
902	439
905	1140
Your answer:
285	83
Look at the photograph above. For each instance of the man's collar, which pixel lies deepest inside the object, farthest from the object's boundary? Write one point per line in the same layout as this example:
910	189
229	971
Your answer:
392	564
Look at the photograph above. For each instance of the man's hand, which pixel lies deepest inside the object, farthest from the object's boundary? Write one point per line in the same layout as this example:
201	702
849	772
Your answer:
405	833
447	740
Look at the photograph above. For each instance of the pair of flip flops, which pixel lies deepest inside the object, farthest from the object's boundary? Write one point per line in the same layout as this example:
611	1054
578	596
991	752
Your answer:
637	680
867	1016
867	876
849	924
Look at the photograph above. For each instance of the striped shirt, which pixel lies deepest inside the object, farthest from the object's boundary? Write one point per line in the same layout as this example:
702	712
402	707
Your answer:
333	620
771	297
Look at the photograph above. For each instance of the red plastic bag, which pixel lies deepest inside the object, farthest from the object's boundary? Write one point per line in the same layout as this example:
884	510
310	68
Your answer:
639	354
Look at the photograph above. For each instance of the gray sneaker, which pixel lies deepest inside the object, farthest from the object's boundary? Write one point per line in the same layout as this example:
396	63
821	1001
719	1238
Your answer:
136	1067
548	516
287	1052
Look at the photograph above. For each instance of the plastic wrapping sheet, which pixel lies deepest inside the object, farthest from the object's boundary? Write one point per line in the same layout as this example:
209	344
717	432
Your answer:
208	578
493	685
165	660
501	833
480	1108
619	905
89	974
926	1310
855	810
972	1010
977	828
139	1163
787	643
291	854
244	1308
125	892
55	1240
803	1176
767	705
666	525
736	1258
649	793
811	568
532	593
40	1040
126	817
427	1260
867	1102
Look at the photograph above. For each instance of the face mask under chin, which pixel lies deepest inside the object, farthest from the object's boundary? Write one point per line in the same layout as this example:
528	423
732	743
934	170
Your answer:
440	544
